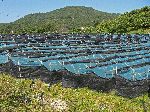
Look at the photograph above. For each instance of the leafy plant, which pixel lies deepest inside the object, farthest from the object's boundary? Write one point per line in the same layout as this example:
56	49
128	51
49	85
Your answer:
22	95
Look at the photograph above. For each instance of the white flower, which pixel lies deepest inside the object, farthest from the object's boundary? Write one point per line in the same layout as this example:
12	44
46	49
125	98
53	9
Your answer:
59	105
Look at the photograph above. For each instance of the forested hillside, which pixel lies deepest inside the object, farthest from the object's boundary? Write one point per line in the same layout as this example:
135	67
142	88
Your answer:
80	19
60	20
136	21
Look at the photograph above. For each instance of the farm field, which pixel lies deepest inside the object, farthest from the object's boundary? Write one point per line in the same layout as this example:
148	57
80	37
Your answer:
100	62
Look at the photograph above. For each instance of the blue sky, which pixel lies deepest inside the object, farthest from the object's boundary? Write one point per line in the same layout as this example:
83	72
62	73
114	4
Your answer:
11	10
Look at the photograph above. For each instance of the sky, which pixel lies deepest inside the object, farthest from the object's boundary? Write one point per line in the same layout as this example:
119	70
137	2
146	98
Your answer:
11	10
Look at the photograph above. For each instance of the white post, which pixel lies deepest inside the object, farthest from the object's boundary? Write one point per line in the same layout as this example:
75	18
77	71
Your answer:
63	63
19	65
116	70
19	68
134	74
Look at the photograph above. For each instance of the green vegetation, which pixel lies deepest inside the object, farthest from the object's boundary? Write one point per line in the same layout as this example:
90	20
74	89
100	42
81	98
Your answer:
60	20
21	95
80	19
136	21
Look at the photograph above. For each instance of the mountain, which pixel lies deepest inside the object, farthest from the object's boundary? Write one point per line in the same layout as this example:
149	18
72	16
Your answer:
59	20
136	21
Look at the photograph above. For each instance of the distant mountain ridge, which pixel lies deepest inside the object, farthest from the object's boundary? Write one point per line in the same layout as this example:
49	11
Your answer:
59	20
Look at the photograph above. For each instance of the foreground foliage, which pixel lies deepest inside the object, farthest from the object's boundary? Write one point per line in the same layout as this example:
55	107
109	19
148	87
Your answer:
22	95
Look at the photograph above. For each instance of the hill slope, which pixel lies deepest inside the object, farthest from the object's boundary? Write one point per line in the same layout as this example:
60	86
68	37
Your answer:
60	20
20	95
136	21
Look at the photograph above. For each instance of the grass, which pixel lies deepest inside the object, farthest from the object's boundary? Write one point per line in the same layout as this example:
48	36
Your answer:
22	95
